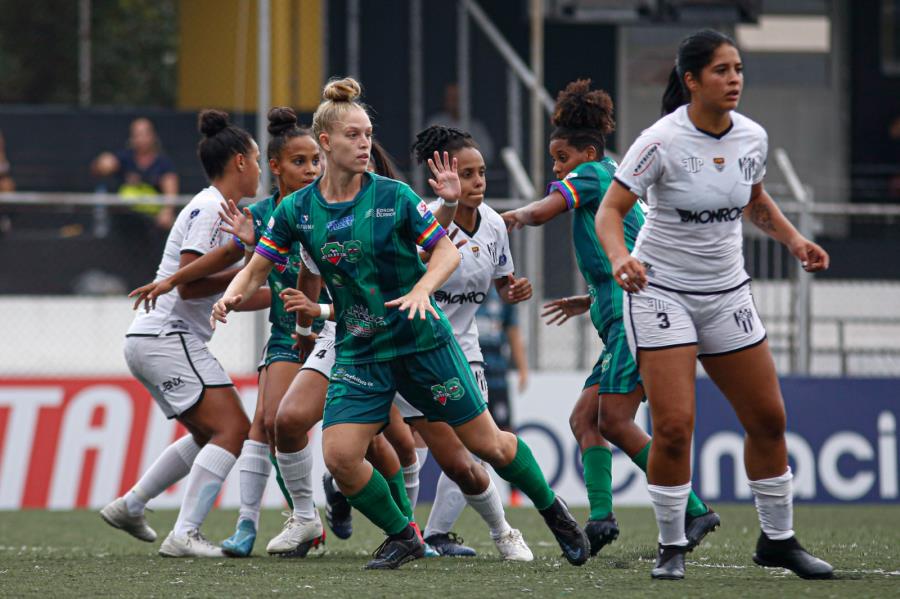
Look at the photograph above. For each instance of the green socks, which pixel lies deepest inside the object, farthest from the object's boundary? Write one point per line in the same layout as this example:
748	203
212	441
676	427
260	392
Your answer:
397	485
695	506
597	461
524	473
376	504
284	491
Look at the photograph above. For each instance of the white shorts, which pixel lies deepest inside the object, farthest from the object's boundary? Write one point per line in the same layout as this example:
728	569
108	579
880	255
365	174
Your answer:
717	323
322	357
409	412
175	369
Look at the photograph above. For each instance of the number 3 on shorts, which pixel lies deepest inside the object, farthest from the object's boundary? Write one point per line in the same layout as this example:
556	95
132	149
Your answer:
663	320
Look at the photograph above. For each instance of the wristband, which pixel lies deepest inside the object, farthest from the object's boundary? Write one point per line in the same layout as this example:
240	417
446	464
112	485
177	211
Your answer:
303	331
324	311
450	204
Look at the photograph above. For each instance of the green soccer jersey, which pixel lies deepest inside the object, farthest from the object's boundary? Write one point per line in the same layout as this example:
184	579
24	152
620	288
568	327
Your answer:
365	250
283	322
583	189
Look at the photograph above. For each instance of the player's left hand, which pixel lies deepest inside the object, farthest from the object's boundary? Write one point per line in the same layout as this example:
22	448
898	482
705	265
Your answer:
417	300
296	301
811	255
149	292
304	345
517	290
239	224
446	180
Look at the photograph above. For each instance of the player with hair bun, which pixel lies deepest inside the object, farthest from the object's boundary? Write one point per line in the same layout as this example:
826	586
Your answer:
361	231
165	349
611	395
701	168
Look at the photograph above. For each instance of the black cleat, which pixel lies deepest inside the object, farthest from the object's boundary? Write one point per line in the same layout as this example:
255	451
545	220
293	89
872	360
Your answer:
669	563
697	527
338	512
450	545
791	555
570	537
601	533
397	550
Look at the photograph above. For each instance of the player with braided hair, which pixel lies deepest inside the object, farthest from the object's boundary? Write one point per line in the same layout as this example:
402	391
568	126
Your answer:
608	402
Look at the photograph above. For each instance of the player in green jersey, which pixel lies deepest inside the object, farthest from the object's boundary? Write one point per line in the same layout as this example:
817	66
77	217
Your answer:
361	231
608	402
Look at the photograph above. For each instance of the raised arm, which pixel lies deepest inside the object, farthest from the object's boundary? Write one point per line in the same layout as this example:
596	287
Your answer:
609	224
768	218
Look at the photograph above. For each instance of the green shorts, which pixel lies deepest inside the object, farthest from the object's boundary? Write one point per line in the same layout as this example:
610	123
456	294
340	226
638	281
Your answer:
279	350
615	370
437	382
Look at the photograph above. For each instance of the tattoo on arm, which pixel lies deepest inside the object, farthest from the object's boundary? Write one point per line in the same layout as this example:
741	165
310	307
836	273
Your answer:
761	216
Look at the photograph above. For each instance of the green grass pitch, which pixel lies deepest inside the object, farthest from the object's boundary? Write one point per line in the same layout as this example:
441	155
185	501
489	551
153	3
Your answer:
67	554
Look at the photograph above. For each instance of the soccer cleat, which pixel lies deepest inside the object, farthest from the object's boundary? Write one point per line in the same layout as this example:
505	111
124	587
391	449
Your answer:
297	537
240	544
338	513
570	537
697	527
449	544
791	555
601	532
397	550
116	514
512	546
430	551
192	544
669	562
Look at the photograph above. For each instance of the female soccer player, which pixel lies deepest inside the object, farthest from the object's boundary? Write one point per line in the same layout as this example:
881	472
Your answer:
166	351
583	118
701	169
361	231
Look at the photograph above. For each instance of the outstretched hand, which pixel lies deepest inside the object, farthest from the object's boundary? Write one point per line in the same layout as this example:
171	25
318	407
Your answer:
149	292
445	183
560	310
417	300
222	308
238	223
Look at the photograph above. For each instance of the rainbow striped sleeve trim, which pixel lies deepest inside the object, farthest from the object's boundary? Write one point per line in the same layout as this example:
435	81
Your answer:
568	191
269	250
431	235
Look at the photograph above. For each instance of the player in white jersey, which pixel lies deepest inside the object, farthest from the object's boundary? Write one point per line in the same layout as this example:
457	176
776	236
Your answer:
166	351
486	261
701	168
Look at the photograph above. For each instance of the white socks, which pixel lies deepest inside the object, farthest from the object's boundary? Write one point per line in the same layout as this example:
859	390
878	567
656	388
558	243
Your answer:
490	508
173	464
254	467
449	503
411	480
669	504
775	505
210	468
296	471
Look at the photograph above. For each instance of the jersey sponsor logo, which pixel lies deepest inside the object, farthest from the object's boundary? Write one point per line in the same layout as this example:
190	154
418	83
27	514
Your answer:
195	212
571	175
502	260
647	156
359	322
692	164
450	390
422	208
385	213
341	374
472	297
305	225
337	280
271	222
748	167
171	384
721	215
744	319
719	163
341	223
604	365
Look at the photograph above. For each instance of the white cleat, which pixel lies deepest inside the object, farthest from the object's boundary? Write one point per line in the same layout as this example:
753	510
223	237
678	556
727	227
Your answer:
296	534
116	514
512	547
192	544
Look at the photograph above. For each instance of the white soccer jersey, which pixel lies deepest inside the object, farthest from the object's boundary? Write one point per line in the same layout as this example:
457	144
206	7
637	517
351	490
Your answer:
485	257
197	229
696	185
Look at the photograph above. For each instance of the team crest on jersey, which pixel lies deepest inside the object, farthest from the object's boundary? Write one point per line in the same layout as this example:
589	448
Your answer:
692	164
744	319
353	249
422	208
748	167
476	250
719	163
448	390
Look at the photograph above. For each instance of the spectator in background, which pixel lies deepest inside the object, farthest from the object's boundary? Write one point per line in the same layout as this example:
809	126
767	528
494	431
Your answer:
6	180
501	341
141	169
449	117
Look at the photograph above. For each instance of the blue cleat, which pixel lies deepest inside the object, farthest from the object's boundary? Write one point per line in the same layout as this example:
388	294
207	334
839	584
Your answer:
449	545
338	513
240	544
